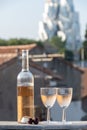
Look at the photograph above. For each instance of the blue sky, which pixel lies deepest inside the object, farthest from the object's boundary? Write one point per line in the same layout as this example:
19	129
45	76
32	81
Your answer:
20	18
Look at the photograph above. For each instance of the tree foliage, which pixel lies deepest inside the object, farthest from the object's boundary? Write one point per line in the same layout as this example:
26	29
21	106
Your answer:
86	33
69	55
85	49
19	42
85	44
58	43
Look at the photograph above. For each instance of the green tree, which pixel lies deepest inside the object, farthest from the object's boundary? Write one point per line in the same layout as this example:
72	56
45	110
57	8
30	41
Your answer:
85	44
3	42
21	41
86	33
85	49
69	55
58	43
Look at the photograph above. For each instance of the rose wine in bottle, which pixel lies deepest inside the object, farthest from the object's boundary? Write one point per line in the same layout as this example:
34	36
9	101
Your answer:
25	90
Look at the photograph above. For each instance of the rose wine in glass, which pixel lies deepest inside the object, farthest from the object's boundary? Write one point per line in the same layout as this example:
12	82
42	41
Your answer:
48	97
64	96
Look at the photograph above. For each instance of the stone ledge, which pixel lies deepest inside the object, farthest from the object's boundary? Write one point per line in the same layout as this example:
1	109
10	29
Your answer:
14	125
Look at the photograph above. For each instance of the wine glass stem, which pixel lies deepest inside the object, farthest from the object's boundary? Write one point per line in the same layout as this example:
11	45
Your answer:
48	114
64	116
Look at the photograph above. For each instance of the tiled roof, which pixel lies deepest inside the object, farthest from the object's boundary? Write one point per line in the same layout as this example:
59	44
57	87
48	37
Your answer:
9	52
34	65
45	70
59	57
84	84
6	58
71	64
14	49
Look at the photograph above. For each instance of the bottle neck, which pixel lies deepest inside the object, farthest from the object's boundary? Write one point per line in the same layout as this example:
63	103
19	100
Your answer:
25	60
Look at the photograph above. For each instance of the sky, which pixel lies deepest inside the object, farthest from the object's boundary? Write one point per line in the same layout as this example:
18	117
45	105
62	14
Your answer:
20	18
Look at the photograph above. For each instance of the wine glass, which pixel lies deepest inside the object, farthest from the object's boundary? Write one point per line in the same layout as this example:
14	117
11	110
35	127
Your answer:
48	97
64	96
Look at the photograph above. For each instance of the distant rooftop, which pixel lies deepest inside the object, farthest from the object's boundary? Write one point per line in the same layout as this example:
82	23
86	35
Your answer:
9	52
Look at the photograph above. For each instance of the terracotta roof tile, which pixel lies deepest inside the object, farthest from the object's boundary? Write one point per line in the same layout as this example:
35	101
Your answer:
84	84
13	49
9	52
6	57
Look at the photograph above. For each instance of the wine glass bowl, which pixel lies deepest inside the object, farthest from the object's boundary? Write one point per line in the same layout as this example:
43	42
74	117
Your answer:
64	97
48	97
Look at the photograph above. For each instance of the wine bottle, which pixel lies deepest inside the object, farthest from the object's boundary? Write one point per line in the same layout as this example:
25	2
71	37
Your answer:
25	89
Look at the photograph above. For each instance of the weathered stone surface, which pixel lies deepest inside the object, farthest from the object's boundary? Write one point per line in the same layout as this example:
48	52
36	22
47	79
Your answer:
55	126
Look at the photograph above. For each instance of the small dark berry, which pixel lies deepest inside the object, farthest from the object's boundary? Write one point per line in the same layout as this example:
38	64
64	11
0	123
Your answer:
30	121
35	121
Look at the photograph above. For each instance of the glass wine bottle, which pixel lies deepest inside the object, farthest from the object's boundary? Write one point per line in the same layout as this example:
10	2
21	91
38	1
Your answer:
25	89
